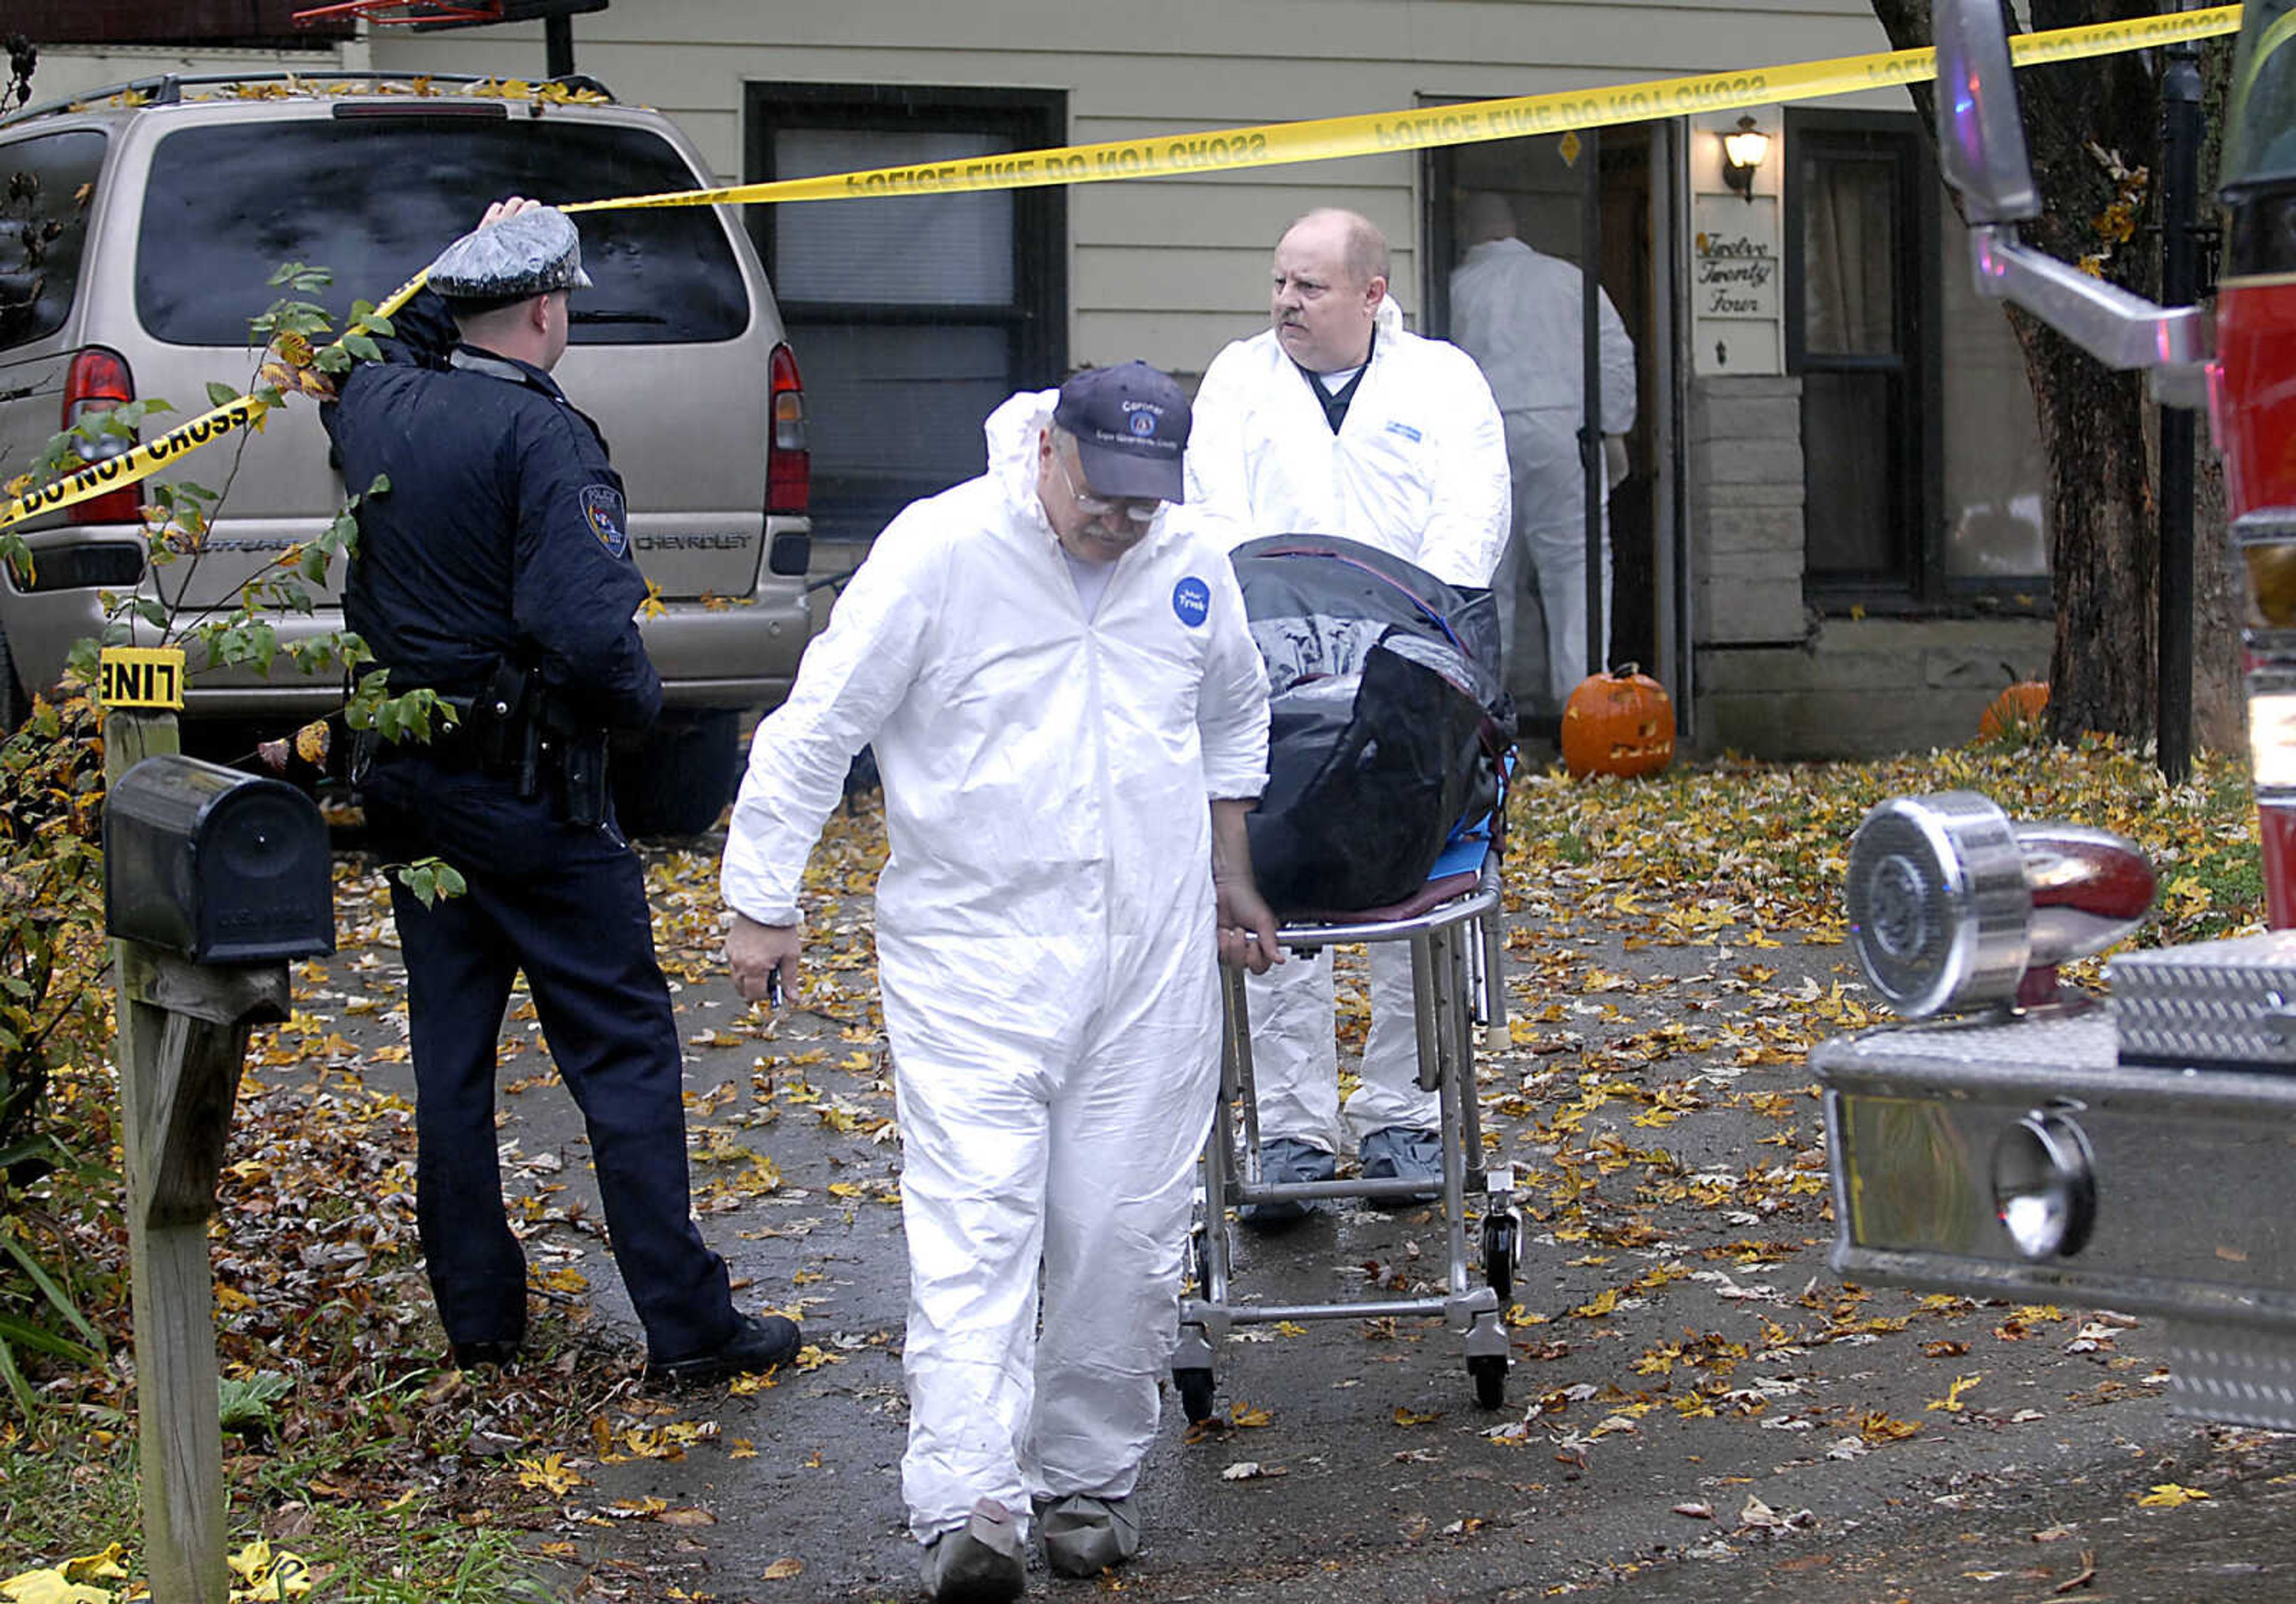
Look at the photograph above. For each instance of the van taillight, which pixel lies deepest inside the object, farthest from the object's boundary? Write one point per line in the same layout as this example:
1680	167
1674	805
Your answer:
97	381
788	464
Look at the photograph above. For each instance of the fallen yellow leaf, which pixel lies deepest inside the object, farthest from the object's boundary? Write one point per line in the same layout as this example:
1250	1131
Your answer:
2168	1496
552	1473
1951	1403
87	1567
49	1587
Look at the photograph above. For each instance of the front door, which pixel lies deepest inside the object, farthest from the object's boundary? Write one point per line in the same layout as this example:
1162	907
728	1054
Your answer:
1551	183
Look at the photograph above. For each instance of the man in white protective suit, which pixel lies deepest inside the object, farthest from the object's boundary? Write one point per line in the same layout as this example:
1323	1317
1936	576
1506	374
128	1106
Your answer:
1071	723
1337	420
1519	312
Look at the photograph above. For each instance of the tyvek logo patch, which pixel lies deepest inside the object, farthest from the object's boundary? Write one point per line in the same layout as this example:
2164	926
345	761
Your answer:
601	509
1192	600
1396	426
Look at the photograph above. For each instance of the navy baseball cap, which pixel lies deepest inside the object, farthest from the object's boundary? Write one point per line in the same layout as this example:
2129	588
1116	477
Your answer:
1131	425
532	253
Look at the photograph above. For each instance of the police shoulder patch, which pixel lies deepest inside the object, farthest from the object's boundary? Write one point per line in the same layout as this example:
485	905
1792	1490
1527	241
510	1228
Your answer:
602	510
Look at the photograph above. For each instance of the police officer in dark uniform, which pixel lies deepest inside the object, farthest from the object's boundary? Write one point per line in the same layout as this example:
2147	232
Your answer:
494	569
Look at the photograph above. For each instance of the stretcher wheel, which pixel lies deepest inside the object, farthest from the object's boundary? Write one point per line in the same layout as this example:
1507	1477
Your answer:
1488	1371
1501	1236
1196	1389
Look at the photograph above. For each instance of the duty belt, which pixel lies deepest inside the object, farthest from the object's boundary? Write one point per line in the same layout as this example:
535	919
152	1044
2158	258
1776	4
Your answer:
516	728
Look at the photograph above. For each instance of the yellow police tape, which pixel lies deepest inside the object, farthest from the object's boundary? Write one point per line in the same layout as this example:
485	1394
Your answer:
1329	139
132	466
1271	144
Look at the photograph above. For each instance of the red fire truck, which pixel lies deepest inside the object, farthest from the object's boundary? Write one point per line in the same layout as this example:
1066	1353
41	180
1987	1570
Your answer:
2011	1141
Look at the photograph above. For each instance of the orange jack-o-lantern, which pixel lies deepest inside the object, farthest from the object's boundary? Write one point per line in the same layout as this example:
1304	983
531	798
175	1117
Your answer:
2016	711
1617	723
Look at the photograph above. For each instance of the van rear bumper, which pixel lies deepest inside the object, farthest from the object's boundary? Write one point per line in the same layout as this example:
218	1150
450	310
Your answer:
42	626
736	656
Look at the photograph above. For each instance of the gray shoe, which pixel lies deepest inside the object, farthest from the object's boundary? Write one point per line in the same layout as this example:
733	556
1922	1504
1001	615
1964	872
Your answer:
979	1563
1283	1160
1398	1152
1086	1536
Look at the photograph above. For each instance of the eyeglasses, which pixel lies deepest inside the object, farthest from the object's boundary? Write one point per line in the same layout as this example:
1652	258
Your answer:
1138	508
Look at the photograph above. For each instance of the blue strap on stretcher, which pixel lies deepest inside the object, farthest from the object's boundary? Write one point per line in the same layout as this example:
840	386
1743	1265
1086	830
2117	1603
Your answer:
1463	856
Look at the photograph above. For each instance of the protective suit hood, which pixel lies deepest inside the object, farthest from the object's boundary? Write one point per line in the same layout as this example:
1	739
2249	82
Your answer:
1010	431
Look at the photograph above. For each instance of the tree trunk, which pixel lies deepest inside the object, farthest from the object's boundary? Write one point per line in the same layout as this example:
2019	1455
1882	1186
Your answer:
2219	695
2103	537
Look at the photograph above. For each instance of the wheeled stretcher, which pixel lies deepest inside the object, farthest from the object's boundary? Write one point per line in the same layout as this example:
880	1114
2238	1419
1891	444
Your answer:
1454	928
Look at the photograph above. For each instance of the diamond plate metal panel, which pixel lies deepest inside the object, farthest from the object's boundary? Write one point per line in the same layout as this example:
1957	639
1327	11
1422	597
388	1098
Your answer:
2078	1037
2218	1002
2233	1373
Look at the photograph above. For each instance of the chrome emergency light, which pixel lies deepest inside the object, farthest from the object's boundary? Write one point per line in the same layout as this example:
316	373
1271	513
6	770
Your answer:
1953	907
2045	1183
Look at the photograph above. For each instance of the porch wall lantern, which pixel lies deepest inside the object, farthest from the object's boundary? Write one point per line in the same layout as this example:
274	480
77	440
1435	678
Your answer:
1741	152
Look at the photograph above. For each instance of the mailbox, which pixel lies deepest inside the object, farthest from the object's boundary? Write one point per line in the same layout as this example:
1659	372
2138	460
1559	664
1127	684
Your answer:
214	865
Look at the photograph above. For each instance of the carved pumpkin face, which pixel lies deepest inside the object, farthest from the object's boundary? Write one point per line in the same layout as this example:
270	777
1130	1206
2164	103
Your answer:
1617	723
2017	710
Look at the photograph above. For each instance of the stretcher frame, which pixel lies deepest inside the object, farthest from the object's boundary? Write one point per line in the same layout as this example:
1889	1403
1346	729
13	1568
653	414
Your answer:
1455	931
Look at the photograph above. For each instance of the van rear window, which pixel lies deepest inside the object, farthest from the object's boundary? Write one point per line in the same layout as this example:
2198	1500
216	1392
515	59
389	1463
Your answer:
375	200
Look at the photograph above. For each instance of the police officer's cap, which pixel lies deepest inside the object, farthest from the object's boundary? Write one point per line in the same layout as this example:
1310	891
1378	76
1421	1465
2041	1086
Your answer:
533	253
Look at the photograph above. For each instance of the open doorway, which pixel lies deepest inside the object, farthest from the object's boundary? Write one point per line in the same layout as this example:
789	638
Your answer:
1550	182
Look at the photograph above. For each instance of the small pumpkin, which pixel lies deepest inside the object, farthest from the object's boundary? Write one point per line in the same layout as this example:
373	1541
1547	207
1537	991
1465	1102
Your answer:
1617	723
2017	710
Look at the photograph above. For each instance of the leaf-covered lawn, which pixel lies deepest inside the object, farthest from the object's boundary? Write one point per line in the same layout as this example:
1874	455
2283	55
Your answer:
351	1446
1762	846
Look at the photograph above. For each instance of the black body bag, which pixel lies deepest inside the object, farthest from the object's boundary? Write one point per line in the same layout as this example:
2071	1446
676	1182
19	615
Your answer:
1388	720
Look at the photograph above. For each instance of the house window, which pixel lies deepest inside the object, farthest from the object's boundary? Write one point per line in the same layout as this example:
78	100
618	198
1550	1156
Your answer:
1861	219
912	316
1923	470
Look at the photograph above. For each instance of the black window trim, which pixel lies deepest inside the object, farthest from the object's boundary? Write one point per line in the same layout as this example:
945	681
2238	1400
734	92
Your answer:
1931	591
1896	135
1036	317
1035	322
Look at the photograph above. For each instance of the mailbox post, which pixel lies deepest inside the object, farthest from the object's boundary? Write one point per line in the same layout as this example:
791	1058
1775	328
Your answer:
214	880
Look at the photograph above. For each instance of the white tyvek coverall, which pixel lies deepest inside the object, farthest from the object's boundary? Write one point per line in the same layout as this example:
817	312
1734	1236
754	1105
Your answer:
1519	312
1046	949
1418	468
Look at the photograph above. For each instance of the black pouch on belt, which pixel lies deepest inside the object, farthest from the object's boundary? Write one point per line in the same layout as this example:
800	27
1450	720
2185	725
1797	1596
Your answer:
502	725
583	765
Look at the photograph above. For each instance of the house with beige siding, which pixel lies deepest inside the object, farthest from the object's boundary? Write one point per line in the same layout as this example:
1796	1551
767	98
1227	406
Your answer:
1831	541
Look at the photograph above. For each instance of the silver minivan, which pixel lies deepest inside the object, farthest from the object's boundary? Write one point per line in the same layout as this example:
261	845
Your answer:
138	238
